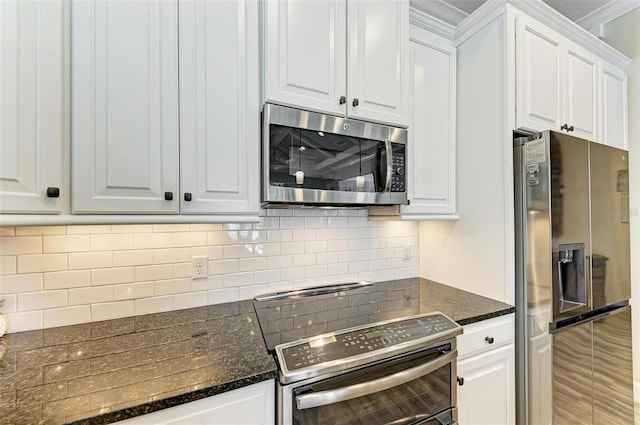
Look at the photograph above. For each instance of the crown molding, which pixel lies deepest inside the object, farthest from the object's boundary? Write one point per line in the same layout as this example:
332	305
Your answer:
440	10
546	15
594	22
429	23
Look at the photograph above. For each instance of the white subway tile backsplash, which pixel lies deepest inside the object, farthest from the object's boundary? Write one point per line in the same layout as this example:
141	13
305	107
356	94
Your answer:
304	260
41	300
315	246
89	230
66	316
172	255
210	283
42	263
220	296
60	275
223	267
133	290
7	231
24	321
280	262
238	279
133	258
18	283
111	242
155	272
108	311
8	264
252	264
40	230
190	300
20	245
152	240
90	260
153	305
86	296
112	276
238	251
65	243
172	286
67	279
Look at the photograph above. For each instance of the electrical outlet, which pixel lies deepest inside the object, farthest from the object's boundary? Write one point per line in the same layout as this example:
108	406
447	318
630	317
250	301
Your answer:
406	251
200	267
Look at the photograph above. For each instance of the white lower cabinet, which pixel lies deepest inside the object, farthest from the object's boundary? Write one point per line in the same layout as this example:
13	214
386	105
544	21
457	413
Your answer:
251	405
486	373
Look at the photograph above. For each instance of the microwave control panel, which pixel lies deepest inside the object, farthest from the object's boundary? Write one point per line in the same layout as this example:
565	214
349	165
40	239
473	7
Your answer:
398	174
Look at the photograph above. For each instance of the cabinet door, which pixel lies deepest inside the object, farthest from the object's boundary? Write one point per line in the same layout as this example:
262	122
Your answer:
251	405
487	395
431	148
378	64
31	106
614	107
125	106
305	54
219	108
581	92
538	73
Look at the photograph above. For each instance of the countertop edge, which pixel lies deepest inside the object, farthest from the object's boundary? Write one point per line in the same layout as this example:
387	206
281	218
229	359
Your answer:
187	397
486	316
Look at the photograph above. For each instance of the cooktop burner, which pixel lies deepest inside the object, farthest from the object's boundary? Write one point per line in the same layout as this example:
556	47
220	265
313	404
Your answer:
289	319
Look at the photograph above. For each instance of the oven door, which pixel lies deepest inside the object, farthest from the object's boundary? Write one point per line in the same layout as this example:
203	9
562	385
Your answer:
413	389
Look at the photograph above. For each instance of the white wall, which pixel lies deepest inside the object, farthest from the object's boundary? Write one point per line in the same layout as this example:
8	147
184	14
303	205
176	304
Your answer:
64	275
624	35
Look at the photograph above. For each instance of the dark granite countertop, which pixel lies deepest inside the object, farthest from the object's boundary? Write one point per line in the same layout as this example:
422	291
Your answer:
462	306
102	372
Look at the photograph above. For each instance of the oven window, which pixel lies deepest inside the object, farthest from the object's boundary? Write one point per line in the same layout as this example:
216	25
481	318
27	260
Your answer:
418	401
318	160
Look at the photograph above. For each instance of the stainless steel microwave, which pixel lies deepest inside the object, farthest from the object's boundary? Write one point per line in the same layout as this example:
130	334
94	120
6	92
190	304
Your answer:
323	160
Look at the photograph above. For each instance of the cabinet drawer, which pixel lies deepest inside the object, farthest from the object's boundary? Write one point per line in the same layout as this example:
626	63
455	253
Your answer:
486	335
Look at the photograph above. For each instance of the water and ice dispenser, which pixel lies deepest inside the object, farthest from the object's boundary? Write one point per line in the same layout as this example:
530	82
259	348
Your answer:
572	282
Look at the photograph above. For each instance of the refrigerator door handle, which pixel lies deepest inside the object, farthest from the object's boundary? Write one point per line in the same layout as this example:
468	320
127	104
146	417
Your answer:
579	320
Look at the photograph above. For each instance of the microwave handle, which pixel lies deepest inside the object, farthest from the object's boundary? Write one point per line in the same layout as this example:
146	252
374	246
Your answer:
323	398
389	155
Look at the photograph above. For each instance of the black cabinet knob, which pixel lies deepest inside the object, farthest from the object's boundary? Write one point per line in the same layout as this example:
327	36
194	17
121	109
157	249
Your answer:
460	380
356	102
343	100
187	196
489	339
168	196
53	192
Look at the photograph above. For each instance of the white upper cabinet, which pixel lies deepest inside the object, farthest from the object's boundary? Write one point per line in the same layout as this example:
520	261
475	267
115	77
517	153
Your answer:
557	82
219	107
125	106
614	106
538	91
31	107
339	57
431	149
581	92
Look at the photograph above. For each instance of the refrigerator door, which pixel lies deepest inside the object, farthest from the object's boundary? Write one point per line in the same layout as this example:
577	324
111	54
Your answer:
610	258
572	376
612	369
570	239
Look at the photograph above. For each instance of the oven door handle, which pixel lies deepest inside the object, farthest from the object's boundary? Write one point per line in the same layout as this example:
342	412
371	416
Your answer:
323	398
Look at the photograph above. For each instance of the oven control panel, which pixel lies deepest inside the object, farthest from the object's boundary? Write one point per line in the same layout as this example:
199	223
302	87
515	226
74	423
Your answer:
349	343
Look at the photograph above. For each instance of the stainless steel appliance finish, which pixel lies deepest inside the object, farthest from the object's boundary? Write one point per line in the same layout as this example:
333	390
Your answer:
361	354
315	159
572	281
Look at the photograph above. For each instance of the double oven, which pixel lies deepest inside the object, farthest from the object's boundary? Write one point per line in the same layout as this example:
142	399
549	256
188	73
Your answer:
360	354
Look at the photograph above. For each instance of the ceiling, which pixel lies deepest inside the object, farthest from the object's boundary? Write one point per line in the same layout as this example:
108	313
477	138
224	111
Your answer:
590	14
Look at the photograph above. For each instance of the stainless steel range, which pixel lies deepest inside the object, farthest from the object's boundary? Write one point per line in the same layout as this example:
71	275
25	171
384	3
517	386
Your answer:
360	354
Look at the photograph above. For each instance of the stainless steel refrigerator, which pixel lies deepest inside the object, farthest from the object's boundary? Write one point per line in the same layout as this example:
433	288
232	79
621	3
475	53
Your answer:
573	319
